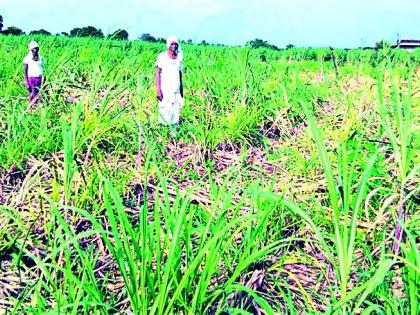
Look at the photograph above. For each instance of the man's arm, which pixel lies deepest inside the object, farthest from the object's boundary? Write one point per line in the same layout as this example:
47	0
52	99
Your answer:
44	78
25	73
159	94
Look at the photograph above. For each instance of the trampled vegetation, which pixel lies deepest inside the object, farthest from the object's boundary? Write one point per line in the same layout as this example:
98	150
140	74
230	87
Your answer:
287	187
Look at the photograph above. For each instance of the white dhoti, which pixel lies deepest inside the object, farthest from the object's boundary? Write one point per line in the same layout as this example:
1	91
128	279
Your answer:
169	108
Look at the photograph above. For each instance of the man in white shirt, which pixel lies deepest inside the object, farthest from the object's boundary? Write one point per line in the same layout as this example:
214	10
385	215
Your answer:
32	69
169	89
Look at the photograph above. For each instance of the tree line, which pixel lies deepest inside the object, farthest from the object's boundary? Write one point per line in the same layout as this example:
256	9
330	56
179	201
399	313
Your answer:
121	34
87	31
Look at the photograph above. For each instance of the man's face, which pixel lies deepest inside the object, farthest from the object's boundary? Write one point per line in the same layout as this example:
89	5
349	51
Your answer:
173	47
35	50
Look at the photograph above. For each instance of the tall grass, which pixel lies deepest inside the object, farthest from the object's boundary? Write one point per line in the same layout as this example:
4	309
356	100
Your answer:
285	189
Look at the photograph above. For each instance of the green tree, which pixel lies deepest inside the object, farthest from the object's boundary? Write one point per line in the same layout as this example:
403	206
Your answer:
75	31
1	23
13	30
147	38
87	31
119	34
290	46
259	43
39	32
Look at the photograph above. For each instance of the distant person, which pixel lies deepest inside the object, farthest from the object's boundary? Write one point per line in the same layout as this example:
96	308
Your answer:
32	69
169	89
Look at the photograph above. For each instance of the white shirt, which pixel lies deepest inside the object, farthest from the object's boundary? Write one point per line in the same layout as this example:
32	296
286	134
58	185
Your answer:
169	77
34	67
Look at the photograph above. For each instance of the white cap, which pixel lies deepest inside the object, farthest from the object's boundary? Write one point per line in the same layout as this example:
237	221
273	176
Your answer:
33	44
170	40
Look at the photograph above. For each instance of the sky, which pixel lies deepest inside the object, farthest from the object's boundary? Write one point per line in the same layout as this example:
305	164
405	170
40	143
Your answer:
303	23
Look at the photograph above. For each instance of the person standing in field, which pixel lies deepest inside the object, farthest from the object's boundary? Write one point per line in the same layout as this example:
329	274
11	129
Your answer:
169	89
32	69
